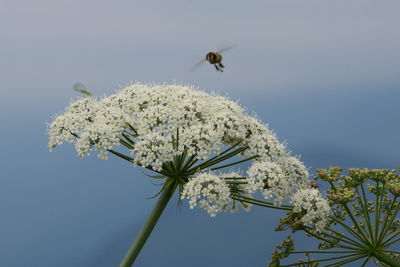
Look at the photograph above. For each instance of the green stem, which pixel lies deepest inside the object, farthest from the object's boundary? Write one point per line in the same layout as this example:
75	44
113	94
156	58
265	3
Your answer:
127	142
126	136
318	251
343	236
342	262
390	219
364	205
189	163
260	203
386	259
286	207
341	239
365	262
209	163
357	225
388	244
378	201
219	155
321	260
364	239
329	241
148	226
132	129
234	163
351	231
127	158
235	182
391	251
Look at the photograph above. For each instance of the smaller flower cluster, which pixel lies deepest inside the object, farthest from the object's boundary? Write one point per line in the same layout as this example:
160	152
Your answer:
77	115
344	191
277	180
341	195
393	183
329	176
316	209
211	193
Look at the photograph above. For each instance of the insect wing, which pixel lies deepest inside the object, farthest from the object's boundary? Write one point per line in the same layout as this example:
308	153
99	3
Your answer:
226	49
80	88
198	64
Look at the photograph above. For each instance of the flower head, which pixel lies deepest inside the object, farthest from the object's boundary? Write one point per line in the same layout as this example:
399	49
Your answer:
179	132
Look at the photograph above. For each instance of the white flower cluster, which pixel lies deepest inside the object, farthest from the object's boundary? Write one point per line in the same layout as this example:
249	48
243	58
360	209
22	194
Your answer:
76	117
211	192
316	208
277	180
204	122
164	121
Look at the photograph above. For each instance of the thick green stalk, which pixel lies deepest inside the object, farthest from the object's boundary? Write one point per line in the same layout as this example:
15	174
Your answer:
148	226
385	259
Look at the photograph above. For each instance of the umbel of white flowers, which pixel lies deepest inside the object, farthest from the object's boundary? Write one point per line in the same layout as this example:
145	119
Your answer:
184	135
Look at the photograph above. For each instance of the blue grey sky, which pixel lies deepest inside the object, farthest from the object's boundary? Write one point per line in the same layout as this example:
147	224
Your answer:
323	74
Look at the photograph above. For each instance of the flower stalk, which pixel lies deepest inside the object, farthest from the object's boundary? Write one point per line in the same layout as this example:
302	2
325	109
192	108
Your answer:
148	226
385	258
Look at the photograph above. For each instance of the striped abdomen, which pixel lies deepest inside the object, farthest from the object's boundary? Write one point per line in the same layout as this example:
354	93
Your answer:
214	57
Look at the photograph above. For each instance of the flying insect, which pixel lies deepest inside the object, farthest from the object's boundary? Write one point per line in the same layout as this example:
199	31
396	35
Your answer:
80	88
214	58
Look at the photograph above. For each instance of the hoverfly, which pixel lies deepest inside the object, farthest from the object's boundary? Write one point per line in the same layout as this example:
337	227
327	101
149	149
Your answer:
80	88
214	58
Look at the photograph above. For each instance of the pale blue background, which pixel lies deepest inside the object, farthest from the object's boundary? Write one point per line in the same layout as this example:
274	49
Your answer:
323	74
